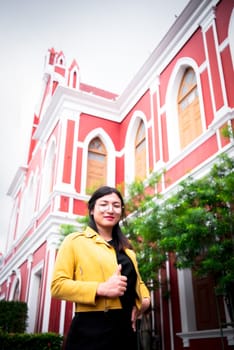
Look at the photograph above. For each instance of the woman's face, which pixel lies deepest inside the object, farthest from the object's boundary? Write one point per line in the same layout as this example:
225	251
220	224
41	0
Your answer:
107	211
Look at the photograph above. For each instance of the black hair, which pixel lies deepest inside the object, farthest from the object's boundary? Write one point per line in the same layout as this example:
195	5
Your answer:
121	240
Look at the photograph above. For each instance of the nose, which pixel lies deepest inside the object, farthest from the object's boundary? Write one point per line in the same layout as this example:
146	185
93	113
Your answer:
110	207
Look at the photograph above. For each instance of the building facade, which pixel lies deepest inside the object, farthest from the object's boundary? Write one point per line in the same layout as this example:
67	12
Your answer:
170	116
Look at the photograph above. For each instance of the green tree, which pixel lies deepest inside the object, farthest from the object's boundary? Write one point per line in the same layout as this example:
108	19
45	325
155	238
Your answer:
195	223
198	223
143	227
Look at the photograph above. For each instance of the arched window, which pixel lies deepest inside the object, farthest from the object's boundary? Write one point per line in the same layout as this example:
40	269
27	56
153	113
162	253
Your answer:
15	287
97	164
27	205
231	36
34	299
140	152
48	175
16	294
190	125
74	80
13	225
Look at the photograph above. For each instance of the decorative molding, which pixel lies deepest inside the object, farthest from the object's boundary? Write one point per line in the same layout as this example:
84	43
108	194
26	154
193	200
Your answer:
17	181
212	333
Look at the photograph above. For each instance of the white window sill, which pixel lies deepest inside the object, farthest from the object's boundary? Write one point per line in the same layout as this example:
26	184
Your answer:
212	333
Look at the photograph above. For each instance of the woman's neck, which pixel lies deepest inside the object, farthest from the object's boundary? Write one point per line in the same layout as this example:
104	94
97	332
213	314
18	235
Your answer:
105	233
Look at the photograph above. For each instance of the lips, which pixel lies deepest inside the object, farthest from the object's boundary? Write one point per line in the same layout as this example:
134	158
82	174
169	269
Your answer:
109	217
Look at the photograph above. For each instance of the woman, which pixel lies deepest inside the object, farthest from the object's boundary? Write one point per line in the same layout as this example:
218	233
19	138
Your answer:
97	270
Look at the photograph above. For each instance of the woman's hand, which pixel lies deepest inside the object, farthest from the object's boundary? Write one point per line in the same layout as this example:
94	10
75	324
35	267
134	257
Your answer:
137	313
114	287
145	305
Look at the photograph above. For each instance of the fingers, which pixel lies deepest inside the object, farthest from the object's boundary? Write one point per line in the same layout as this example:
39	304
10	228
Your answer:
112	288
118	271
115	286
134	318
120	281
121	287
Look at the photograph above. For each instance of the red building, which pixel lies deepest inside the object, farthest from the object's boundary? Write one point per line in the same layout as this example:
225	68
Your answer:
169	117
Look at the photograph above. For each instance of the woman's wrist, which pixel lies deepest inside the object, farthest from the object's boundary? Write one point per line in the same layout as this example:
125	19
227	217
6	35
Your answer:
100	292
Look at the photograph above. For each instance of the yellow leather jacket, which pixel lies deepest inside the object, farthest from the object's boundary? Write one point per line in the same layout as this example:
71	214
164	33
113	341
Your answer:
84	260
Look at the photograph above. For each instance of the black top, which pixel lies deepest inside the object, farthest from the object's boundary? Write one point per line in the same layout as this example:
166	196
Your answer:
128	270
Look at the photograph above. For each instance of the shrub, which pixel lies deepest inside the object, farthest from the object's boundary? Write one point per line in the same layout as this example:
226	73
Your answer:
13	316
25	341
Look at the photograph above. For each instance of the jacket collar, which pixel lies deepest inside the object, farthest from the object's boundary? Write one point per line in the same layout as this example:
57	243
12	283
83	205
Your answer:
90	233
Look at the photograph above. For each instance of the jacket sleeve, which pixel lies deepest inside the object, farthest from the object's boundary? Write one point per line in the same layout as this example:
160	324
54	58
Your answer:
64	285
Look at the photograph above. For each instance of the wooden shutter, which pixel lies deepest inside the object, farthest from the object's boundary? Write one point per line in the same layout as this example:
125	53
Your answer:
190	126
140	152
97	164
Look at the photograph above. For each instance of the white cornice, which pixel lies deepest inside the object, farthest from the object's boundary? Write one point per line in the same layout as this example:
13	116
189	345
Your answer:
16	183
50	226
179	33
78	101
204	334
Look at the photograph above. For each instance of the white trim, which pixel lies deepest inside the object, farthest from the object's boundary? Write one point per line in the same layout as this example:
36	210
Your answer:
62	132
105	138
129	160
47	171
70	76
33	298
220	67
171	103
29	270
212	333
204	30
50	255
170	306
231	36
62	316
161	309
186	297
16	280
75	149
152	120
159	116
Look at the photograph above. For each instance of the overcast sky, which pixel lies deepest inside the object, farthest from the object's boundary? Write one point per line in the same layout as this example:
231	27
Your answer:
110	41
